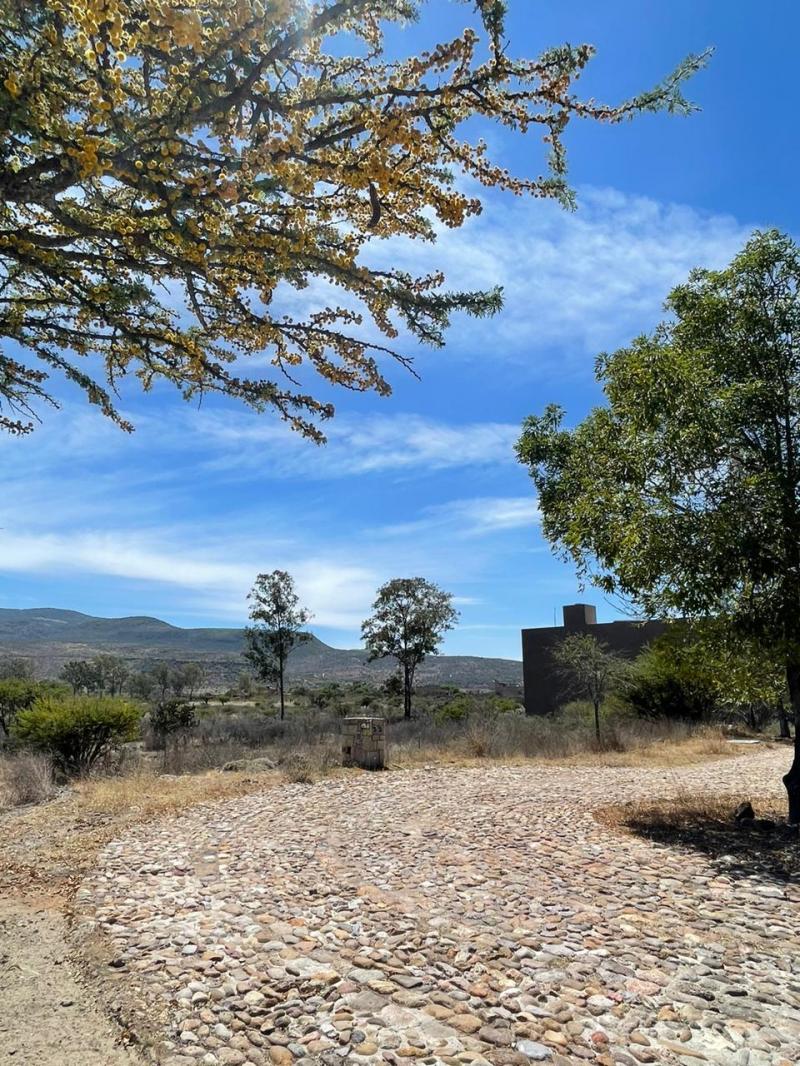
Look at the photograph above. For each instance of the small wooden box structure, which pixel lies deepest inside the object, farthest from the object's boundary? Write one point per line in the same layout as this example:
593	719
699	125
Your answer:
364	743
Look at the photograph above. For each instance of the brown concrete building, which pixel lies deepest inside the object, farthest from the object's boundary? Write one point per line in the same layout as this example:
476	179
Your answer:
545	688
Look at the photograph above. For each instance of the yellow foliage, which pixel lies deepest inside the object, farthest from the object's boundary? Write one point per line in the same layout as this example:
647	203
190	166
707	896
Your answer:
220	147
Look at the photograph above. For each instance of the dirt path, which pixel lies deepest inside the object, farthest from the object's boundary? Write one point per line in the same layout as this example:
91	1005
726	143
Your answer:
49	1015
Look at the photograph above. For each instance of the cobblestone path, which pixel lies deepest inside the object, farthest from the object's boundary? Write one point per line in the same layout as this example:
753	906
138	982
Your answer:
465	916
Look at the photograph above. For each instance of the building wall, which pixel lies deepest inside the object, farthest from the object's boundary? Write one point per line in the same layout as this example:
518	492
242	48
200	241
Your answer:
545	688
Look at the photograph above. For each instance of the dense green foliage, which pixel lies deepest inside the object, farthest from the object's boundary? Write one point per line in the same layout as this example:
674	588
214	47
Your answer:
16	667
465	705
661	686
105	673
682	492
696	671
16	694
171	716
76	730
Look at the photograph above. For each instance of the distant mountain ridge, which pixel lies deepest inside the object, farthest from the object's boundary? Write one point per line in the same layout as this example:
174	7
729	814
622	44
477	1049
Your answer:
50	636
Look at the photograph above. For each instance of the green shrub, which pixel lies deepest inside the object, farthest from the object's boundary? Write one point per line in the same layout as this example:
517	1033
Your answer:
172	716
477	704
77	730
16	694
456	710
664	696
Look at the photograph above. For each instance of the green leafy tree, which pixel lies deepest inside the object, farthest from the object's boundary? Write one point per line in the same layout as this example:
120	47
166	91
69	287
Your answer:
193	675
77	730
141	685
682	492
83	676
161	675
16	694
392	687
112	673
277	621
591	669
167	168
694	671
410	617
664	685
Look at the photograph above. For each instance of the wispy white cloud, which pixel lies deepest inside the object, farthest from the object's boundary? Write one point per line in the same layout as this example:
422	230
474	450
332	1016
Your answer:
371	445
574	281
189	509
472	517
336	591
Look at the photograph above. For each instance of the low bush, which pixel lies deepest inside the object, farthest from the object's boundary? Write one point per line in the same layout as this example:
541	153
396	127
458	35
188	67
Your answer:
466	705
16	694
76	731
305	767
170	717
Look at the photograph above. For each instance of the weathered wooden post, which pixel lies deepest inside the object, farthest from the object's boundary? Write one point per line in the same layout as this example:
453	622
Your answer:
364	743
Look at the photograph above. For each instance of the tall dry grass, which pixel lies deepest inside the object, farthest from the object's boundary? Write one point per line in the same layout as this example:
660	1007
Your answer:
25	777
509	738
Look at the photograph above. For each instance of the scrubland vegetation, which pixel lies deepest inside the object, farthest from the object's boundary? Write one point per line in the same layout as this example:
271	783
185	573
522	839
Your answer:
56	737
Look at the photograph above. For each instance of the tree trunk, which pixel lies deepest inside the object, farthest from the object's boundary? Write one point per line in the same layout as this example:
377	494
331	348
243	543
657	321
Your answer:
280	686
406	691
792	779
783	722
597	720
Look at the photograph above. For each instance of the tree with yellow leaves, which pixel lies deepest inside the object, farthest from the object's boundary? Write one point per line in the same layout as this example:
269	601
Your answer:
171	168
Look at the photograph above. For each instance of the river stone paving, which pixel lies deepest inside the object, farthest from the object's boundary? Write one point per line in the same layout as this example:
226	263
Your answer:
458	916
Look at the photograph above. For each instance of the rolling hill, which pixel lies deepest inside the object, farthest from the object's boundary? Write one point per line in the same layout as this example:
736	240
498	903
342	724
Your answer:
49	637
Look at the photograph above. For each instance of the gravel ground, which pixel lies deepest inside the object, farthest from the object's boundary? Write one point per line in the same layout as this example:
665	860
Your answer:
48	1015
465	916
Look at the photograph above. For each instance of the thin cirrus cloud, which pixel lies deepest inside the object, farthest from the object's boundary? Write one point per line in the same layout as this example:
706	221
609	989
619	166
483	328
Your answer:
215	576
357	446
573	281
477	516
336	591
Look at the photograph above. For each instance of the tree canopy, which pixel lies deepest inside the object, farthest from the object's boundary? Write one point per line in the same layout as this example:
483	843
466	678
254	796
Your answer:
277	626
171	169
682	492
410	617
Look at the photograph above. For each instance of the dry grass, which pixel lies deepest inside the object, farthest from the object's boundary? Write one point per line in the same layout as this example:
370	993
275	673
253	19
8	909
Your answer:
530	741
26	777
764	848
49	848
54	844
687	811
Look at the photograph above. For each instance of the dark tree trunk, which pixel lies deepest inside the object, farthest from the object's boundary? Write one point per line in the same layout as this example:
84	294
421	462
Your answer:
597	720
783	722
280	687
407	683
792	778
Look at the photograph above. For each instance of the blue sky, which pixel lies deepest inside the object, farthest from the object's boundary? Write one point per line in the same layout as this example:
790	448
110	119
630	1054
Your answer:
177	520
